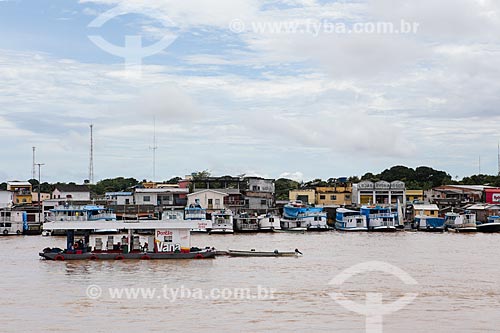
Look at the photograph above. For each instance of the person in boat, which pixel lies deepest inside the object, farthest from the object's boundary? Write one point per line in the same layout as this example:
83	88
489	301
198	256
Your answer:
297	251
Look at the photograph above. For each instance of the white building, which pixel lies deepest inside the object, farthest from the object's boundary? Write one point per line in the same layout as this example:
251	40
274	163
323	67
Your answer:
160	196
5	199
209	199
381	192
71	192
120	198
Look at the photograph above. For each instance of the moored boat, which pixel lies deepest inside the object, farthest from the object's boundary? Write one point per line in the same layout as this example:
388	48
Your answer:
379	219
222	222
350	220
298	215
493	225
429	223
245	222
195	212
87	213
12	222
460	222
167	240
253	253
269	222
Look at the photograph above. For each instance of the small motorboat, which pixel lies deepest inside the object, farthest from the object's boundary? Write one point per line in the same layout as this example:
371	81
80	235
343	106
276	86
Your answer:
254	253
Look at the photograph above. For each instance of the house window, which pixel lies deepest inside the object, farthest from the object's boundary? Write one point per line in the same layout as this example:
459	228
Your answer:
167	239
322	197
210	202
217	202
127	201
333	197
146	198
347	196
263	202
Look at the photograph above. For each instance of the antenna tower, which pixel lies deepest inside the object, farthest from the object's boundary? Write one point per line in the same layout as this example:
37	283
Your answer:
91	162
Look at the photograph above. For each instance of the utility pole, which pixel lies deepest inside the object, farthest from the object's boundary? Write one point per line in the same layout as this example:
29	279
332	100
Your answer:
39	189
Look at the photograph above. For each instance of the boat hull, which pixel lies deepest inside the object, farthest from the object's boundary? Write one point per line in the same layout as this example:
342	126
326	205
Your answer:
383	229
354	229
235	253
489	227
429	229
221	231
126	256
318	228
463	230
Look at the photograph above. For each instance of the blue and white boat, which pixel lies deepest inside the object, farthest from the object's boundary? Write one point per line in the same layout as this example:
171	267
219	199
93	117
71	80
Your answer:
70	213
493	225
350	220
429	223
379	219
298	217
195	212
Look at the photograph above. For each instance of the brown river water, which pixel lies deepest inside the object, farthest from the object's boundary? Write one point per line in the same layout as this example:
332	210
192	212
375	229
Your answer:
457	286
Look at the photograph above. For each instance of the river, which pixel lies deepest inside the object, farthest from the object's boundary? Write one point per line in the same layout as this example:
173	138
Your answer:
453	278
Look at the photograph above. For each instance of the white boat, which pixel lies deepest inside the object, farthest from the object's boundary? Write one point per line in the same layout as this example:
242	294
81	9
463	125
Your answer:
460	222
11	222
222	222
269	222
195	212
298	215
350	220
379	219
245	222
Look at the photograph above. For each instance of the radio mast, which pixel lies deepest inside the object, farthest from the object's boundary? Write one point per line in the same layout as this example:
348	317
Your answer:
499	158
91	162
154	148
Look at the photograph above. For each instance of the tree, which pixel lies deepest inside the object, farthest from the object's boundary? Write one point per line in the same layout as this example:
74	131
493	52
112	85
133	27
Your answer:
174	180
113	185
3	187
282	186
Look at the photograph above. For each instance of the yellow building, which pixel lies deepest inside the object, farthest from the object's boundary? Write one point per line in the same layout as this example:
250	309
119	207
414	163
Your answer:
414	195
306	196
425	209
338	195
21	192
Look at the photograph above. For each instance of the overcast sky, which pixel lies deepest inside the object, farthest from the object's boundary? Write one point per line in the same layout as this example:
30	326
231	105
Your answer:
232	98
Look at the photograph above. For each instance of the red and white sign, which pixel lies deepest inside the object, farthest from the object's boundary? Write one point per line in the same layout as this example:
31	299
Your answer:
163	233
495	197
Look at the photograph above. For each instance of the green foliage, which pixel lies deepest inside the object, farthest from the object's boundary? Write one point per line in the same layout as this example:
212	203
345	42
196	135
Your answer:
282	186
3	187
113	185
481	180
415	179
174	180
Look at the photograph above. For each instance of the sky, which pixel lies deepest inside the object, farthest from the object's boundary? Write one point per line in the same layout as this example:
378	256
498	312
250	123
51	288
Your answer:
302	89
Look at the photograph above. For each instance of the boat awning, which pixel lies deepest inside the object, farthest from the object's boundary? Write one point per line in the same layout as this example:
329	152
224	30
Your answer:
122	225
